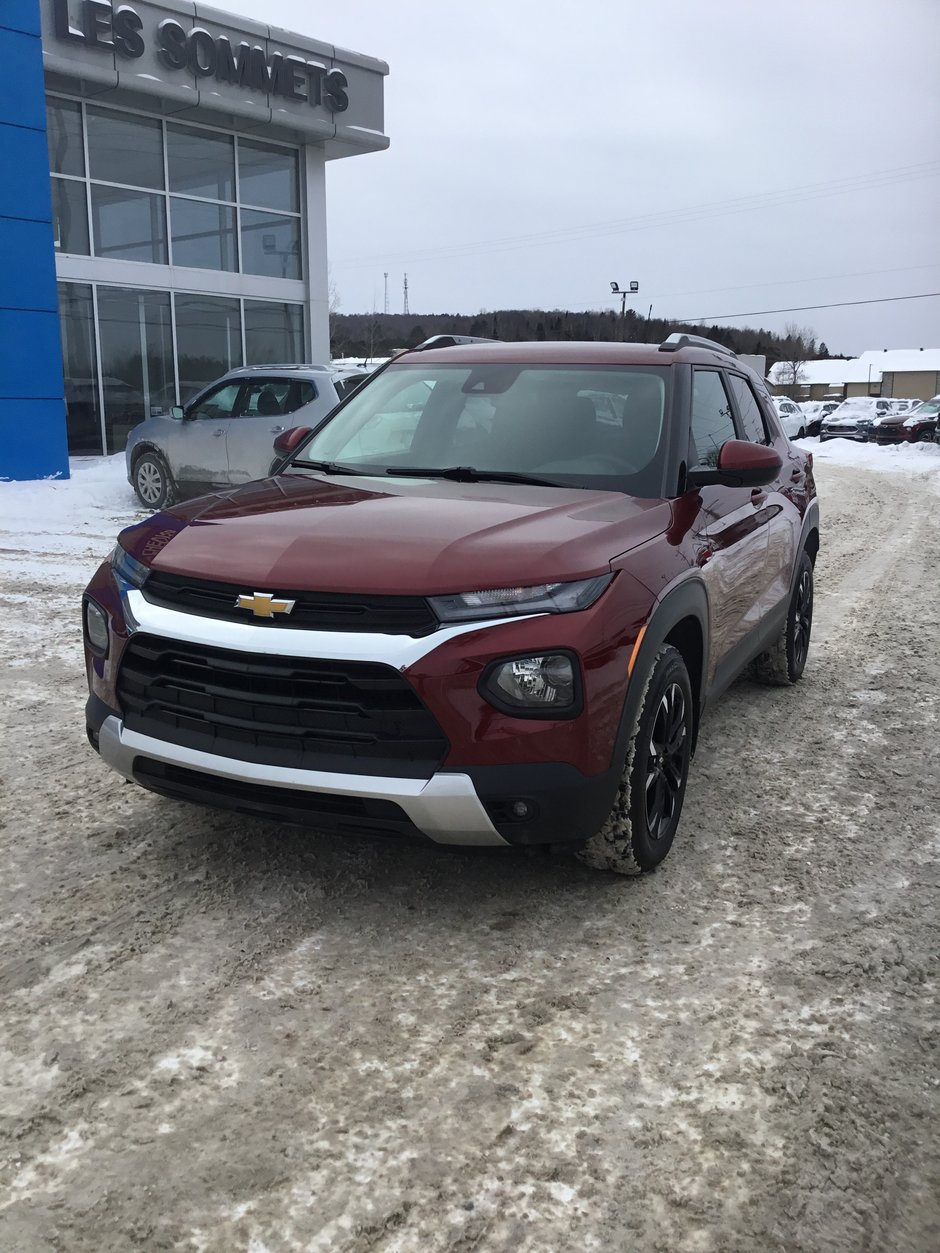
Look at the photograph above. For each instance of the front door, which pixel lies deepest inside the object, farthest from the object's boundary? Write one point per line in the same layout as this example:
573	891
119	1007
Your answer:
198	451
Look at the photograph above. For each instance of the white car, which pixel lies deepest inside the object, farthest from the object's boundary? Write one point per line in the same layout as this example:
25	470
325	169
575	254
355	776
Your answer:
855	418
792	418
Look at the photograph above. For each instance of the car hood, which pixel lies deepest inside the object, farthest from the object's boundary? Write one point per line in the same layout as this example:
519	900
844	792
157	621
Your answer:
417	537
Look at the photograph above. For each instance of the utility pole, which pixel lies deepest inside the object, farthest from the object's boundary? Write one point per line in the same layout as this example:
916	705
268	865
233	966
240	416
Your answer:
405	309
623	292
386	291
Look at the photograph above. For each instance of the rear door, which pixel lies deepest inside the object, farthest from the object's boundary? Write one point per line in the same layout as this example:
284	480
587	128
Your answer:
780	504
264	411
730	533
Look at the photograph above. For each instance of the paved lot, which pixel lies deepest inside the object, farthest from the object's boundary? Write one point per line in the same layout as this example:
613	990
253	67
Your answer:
219	1035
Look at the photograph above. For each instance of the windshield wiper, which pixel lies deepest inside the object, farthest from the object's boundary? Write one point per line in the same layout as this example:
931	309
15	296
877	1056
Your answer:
327	467
469	474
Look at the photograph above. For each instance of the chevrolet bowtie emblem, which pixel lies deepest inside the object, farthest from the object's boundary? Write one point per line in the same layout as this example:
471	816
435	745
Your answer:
263	604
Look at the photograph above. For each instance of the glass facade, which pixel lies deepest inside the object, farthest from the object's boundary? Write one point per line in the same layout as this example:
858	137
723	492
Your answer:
135	188
232	204
120	364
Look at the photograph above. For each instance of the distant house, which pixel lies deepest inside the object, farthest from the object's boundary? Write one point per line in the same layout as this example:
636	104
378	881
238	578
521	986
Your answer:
909	372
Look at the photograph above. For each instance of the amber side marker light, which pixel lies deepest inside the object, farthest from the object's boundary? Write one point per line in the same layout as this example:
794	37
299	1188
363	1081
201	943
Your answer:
636	650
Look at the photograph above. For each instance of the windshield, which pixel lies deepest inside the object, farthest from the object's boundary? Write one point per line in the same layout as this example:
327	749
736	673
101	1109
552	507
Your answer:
925	409
571	426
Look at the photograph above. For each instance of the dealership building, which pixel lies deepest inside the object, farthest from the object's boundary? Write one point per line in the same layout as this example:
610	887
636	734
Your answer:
162	211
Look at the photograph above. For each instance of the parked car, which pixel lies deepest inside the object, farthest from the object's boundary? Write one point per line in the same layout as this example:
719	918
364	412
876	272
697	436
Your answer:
854	418
911	426
792	418
223	436
491	625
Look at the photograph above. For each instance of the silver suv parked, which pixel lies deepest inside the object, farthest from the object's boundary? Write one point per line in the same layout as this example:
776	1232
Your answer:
225	434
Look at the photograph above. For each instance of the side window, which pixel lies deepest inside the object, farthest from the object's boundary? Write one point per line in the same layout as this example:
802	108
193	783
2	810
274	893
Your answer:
265	398
348	384
219	403
302	392
752	420
712	422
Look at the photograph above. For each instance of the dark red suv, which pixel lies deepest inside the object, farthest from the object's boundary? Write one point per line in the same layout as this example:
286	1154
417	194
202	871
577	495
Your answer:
487	601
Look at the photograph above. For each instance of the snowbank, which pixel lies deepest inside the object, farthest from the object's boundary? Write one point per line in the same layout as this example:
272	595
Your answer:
62	528
911	459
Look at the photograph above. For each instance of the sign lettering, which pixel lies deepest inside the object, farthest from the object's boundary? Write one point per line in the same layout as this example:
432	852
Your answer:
205	55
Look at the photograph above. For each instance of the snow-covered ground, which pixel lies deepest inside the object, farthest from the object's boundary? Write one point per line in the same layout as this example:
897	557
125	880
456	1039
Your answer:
223	1034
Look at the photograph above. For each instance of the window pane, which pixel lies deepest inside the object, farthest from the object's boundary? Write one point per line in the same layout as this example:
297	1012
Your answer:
125	149
203	235
266	398
77	329
273	333
219	403
201	163
267	176
64	132
136	357
270	245
129	225
749	409
712	423
69	216
209	337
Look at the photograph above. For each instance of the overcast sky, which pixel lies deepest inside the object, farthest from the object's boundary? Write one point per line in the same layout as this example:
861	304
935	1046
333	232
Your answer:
541	149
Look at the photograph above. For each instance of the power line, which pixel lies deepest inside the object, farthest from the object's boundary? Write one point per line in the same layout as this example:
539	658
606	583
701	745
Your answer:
672	217
839	304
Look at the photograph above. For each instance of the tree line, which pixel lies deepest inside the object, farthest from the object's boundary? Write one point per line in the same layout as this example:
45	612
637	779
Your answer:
380	334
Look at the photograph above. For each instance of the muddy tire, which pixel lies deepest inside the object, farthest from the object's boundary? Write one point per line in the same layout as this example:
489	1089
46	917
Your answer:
642	824
153	485
785	661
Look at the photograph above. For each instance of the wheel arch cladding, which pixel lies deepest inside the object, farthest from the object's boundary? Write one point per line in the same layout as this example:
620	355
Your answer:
680	619
812	545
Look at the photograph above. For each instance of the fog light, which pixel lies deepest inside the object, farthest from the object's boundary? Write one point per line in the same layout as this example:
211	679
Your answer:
520	809
96	628
545	685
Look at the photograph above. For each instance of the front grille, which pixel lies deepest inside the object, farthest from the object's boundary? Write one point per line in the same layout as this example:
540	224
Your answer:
315	611
346	716
344	814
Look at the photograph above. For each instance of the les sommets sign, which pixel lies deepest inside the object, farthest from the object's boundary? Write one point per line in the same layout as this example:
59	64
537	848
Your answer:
121	30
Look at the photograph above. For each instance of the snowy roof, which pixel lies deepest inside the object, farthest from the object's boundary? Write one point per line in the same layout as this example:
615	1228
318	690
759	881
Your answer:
869	367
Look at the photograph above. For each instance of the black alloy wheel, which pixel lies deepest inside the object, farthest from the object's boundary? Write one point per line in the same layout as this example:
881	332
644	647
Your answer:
802	617
667	758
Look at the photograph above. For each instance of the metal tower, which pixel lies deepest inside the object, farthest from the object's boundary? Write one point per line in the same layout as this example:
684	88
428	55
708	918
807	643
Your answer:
386	291
405	309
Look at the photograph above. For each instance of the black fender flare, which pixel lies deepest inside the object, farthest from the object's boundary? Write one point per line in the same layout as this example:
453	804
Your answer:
687	600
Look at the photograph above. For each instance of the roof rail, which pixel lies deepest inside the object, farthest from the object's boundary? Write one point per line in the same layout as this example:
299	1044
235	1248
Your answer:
450	341
678	339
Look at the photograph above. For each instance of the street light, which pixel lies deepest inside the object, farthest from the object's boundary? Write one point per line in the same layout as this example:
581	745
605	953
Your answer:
623	292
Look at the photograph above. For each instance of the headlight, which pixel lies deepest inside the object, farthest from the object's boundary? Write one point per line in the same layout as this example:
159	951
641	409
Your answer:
511	602
542	686
96	628
128	569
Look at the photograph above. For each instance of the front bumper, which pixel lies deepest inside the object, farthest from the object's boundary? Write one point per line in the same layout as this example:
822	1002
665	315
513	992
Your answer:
445	807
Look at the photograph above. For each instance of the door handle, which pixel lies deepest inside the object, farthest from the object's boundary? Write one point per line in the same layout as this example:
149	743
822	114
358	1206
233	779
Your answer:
758	496
276	430
796	475
220	431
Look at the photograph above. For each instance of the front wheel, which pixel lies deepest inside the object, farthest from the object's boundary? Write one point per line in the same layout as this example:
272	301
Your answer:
152	482
642	824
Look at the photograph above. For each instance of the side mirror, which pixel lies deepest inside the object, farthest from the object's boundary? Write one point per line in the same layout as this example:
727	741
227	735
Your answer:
287	441
177	412
740	464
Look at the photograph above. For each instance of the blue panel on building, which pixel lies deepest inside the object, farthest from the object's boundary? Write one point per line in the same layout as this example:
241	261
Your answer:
22	94
28	340
32	410
27	265
21	15
32	439
26	193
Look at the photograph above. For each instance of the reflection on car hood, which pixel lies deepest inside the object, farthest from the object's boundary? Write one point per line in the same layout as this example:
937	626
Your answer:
415	537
